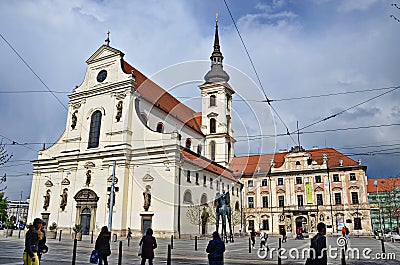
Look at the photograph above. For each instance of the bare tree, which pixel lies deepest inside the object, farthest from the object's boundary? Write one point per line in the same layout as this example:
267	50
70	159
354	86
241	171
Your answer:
4	158
193	215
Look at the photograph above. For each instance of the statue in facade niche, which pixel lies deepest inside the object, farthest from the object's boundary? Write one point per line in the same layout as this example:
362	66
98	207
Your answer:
147	199
74	119
64	198
46	200
119	111
88	177
204	220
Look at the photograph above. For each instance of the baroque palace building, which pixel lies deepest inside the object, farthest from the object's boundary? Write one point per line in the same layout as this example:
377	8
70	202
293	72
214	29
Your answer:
167	156
300	188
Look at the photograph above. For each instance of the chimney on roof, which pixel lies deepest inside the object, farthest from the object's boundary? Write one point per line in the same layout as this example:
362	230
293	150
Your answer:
325	158
315	147
272	162
359	162
258	169
341	162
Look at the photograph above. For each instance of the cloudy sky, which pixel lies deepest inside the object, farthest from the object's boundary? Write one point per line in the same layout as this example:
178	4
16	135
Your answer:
302	51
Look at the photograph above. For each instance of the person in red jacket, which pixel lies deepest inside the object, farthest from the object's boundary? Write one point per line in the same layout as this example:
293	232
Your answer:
148	244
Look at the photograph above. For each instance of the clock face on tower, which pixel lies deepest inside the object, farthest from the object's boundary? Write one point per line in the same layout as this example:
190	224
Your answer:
101	76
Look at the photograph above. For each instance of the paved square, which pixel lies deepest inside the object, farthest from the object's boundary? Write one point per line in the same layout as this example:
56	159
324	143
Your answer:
184	253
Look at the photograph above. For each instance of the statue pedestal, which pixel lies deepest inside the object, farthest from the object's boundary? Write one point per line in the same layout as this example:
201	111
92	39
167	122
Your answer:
146	221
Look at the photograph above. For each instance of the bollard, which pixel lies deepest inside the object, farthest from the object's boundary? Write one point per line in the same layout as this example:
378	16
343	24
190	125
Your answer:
114	237
129	240
120	253
343	257
59	239
169	255
383	246
19	233
172	241
279	251
74	252
249	245
91	238
195	243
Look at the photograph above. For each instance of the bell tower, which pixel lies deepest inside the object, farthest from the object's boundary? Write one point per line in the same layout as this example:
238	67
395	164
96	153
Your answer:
216	96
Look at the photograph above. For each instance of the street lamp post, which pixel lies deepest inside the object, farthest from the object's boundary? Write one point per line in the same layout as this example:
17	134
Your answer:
379	206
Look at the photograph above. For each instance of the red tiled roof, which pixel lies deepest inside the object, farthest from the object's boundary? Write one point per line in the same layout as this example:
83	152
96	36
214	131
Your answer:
208	165
163	100
250	164
384	184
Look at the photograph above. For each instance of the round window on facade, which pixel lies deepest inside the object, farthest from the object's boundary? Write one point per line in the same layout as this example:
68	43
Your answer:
101	76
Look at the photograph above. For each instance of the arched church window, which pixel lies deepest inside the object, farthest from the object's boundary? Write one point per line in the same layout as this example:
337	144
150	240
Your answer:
199	149
203	200
188	143
213	126
144	117
187	197
160	127
212	150
213	101
94	133
229	150
237	208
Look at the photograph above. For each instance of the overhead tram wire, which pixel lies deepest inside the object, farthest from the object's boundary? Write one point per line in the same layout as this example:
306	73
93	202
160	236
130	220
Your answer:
345	110
30	68
256	73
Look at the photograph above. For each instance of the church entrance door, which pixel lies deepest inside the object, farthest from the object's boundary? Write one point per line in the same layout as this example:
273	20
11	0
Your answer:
85	221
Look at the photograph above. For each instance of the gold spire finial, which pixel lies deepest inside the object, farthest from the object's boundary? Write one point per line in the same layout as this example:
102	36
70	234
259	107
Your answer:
216	17
108	38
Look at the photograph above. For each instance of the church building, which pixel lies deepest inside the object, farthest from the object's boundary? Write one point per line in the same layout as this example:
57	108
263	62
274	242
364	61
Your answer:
168	161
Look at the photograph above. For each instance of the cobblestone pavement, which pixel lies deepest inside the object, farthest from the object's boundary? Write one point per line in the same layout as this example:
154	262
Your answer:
183	251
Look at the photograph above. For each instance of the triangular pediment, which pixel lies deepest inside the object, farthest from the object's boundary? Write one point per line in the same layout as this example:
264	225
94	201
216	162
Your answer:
147	178
319	189
212	114
65	181
104	52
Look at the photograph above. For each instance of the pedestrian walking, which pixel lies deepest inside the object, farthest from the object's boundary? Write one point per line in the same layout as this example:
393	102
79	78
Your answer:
42	248
253	237
263	240
215	250
318	253
103	245
129	234
32	238
283	234
148	243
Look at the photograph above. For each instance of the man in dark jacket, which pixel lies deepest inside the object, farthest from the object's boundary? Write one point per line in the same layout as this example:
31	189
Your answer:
215	250
318	250
148	243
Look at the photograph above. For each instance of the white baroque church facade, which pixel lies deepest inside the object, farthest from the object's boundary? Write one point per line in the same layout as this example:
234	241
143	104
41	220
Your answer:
167	157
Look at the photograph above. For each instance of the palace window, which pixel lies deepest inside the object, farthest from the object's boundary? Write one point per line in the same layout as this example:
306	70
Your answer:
265	224
338	198
199	148
298	180
213	125
300	200
354	197
264	182
203	199
336	178
318	179
204	181
250	201
197	178
319	199
357	223
265	201
281	201
280	181
144	117
217	185
250	183
211	183
251	225
94	133
353	176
